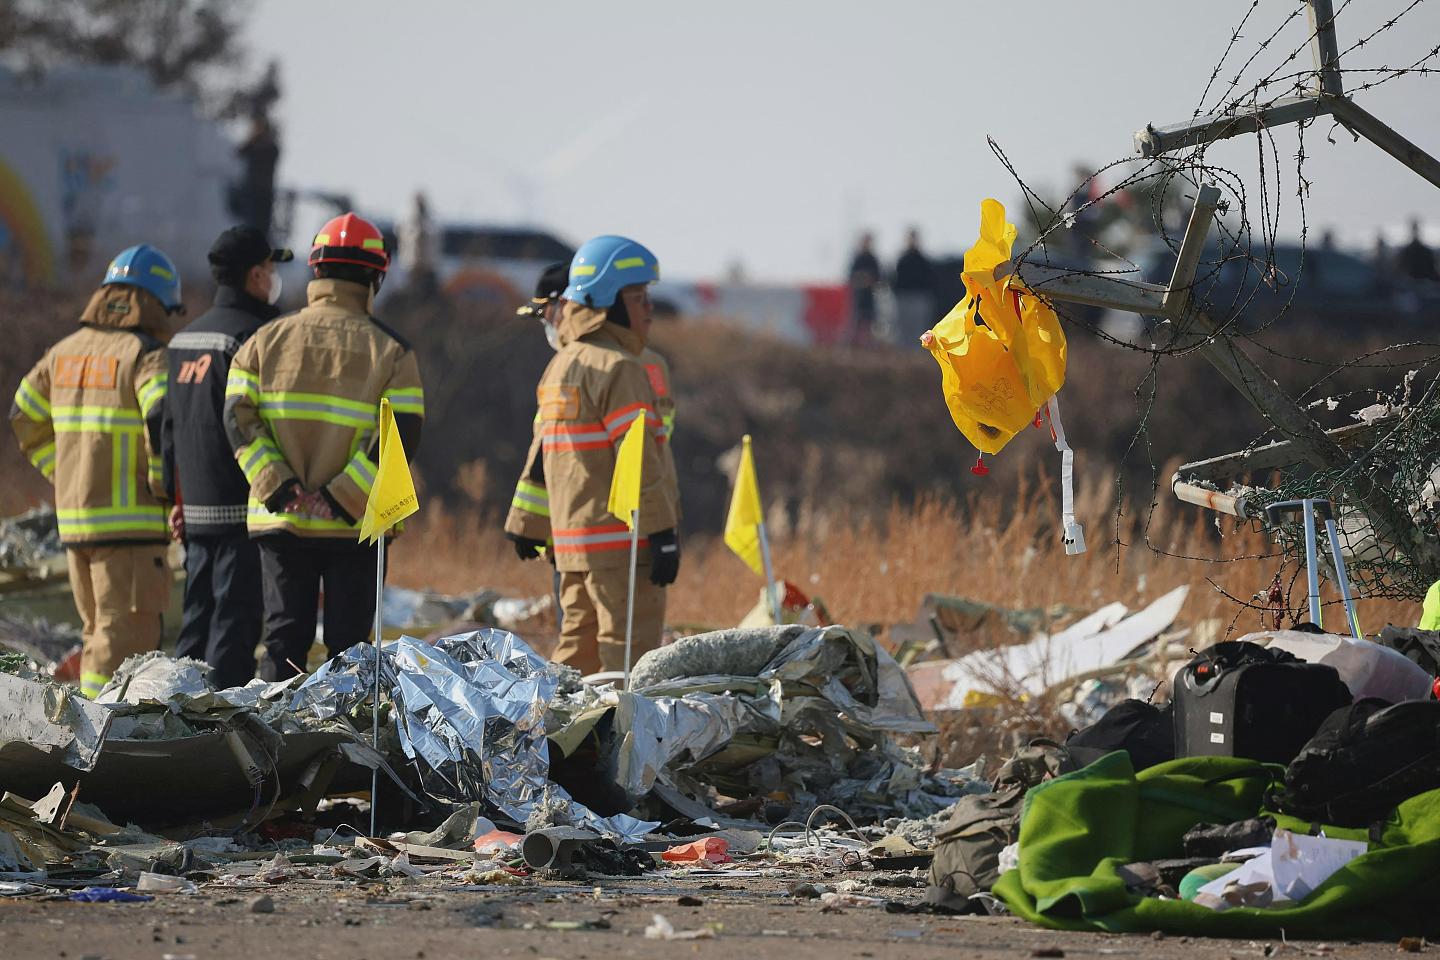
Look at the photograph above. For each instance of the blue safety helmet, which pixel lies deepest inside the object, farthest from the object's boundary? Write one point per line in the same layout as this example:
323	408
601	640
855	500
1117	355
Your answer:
147	268
604	265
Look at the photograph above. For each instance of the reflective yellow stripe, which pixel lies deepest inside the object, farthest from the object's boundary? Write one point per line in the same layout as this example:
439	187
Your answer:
629	262
371	243
152	393
100	419
95	520
583	270
118	469
262	519
361	470
242	383
256	455
160	271
531	498
406	399
92	683
44	459
321	240
32	401
142	511
287	405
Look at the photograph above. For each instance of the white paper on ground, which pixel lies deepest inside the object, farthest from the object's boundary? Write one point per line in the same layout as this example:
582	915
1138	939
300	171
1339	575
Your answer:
1294	866
1302	863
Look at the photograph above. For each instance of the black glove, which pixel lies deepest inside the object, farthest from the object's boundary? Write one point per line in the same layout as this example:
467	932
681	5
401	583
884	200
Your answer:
525	548
664	558
283	495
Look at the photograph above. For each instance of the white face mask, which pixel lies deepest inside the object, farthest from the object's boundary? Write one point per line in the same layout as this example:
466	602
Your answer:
277	283
552	336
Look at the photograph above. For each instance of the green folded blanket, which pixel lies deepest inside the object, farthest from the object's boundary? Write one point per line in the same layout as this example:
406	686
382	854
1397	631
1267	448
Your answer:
1075	831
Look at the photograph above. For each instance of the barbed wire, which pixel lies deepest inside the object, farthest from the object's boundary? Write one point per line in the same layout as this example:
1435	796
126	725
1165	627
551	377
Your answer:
1246	287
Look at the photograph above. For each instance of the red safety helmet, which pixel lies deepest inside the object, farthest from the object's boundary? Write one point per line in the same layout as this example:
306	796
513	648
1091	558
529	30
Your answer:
350	239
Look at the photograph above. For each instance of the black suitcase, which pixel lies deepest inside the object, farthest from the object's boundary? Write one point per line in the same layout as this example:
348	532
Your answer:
1243	700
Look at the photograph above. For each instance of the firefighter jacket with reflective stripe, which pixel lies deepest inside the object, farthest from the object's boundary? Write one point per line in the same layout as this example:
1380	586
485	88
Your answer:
302	404
88	415
199	463
590	393
529	515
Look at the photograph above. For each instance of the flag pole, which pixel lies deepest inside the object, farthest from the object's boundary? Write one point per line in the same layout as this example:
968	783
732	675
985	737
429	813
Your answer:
772	593
630	603
375	714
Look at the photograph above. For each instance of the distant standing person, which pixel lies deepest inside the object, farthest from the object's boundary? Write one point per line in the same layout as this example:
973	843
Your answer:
419	252
253	198
1416	260
223	600
914	286
864	280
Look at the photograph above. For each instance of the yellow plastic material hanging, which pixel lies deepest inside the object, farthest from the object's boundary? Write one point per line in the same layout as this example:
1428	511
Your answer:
1001	350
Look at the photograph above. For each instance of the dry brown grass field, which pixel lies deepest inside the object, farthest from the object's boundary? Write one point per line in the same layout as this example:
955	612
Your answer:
877	571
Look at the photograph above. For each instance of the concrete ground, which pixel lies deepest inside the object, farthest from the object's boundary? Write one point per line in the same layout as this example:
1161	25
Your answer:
420	919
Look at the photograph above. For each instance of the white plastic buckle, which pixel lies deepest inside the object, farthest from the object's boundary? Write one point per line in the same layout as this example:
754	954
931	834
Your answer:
1074	538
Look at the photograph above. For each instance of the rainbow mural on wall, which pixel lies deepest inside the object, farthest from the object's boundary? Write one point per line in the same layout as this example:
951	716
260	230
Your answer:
22	231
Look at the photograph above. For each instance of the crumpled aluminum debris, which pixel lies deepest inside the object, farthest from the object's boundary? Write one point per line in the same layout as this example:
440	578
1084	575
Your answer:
829	699
662	730
471	708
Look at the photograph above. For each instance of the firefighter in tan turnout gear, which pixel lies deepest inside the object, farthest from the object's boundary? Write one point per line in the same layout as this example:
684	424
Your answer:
596	385
528	525
301	410
88	416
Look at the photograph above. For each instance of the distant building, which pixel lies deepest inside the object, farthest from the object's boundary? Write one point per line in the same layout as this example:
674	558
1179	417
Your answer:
105	162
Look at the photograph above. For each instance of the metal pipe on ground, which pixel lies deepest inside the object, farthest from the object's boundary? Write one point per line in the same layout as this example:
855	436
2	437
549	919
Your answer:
553	847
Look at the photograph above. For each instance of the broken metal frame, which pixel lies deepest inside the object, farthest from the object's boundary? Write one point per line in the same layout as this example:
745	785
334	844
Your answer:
1199	332
1195	329
1326	98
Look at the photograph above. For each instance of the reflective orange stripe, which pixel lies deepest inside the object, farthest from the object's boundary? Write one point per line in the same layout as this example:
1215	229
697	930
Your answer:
554	427
585	436
618	422
610	536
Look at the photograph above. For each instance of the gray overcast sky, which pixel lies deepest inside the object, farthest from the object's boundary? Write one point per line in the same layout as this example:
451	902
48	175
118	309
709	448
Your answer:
772	132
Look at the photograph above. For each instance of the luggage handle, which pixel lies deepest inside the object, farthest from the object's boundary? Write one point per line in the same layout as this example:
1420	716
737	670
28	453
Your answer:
1203	687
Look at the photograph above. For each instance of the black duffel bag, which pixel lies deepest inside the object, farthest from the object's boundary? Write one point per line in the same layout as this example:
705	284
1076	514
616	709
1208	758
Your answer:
1141	729
1364	760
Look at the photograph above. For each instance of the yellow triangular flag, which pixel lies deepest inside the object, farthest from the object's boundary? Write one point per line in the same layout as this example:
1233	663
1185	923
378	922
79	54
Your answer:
742	525
392	497
625	484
